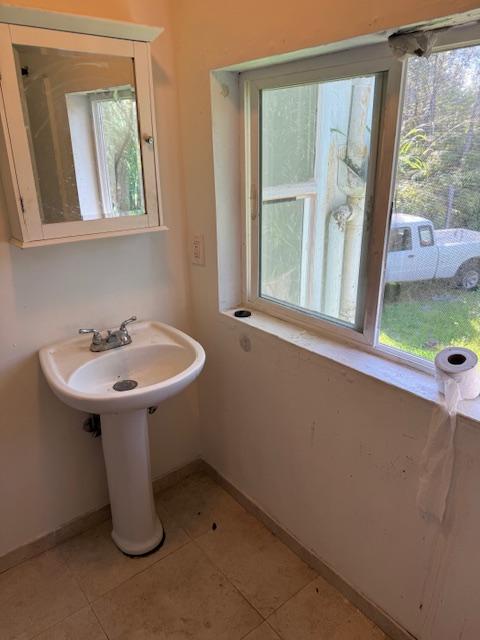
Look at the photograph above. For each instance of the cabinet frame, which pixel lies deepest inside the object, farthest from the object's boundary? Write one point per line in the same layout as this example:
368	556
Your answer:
17	163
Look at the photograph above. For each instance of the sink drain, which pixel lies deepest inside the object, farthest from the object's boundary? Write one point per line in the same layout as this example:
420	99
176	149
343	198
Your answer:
125	385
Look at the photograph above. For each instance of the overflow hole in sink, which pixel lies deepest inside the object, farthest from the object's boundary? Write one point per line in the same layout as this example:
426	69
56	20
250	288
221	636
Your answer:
125	385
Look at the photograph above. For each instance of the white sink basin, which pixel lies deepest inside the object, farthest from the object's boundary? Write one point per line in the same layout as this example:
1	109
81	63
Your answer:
161	361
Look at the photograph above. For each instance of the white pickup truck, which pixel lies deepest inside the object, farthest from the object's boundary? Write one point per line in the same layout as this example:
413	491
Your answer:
417	252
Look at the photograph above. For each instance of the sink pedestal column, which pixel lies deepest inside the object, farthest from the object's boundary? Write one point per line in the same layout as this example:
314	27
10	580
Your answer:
136	526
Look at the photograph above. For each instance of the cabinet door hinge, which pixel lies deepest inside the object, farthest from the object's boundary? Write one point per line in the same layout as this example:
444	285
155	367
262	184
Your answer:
22	206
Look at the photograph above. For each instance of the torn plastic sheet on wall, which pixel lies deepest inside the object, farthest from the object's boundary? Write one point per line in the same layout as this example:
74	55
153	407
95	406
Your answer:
416	43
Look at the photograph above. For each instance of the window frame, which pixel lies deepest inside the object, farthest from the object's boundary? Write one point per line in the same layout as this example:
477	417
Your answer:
460	36
100	156
374	59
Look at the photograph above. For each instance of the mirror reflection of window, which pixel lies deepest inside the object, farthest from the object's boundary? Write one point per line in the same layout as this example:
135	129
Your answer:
112	163
81	116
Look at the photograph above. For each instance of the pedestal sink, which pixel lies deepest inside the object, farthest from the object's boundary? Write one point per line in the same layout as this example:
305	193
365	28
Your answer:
161	361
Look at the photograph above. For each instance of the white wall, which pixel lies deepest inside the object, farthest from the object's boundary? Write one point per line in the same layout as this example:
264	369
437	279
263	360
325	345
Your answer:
331	454
50	470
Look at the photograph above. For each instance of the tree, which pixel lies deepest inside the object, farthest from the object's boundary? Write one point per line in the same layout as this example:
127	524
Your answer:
439	155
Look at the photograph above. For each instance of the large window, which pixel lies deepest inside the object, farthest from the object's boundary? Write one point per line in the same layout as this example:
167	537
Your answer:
326	227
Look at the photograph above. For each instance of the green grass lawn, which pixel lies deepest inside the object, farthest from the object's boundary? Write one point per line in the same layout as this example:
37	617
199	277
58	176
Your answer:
426	317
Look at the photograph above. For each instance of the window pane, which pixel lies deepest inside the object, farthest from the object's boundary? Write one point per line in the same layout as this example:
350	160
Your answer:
289	157
431	295
425	235
282	231
315	167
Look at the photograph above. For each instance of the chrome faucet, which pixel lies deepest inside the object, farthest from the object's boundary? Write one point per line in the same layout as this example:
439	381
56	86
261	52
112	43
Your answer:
118	338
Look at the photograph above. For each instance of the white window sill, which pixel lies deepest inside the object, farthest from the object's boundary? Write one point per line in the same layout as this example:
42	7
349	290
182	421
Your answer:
402	376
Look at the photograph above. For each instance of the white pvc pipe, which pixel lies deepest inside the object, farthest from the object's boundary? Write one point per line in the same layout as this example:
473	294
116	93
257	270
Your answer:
136	526
334	268
351	260
357	152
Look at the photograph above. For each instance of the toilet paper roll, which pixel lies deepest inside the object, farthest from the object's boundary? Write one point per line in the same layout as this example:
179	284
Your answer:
461	365
458	378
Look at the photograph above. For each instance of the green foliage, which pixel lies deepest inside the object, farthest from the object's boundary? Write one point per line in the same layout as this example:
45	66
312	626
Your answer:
439	153
410	152
431	316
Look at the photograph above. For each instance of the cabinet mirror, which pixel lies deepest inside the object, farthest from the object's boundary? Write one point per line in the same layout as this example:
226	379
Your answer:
79	120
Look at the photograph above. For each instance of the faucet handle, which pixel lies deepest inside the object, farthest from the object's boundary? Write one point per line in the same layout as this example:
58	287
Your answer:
97	336
123	326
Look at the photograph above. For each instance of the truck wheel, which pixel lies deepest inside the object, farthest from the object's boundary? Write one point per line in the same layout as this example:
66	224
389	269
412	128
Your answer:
468	277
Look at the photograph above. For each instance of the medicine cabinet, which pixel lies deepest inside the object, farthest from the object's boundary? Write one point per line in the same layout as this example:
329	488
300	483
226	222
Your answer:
79	143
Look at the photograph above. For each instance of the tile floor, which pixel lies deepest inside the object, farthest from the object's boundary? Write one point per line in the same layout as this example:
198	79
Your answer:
219	576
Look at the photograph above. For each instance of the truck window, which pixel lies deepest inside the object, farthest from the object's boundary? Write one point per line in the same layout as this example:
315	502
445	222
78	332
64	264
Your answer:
425	235
400	239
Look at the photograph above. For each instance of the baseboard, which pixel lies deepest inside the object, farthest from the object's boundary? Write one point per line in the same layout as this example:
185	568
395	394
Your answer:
360	601
87	521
